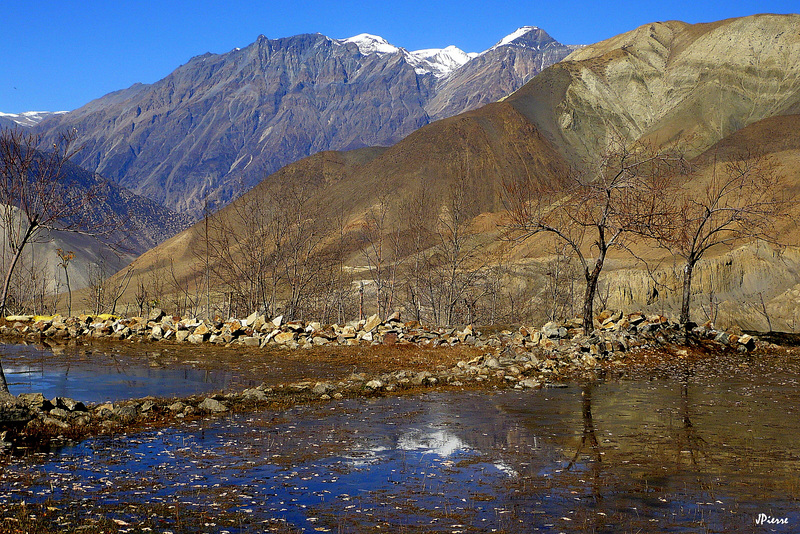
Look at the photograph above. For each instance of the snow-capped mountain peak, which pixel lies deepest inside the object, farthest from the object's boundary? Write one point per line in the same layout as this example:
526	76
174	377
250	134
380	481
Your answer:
440	61
519	37
371	44
437	61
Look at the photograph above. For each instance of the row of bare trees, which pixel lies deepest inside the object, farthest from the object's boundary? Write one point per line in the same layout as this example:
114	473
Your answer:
272	252
637	194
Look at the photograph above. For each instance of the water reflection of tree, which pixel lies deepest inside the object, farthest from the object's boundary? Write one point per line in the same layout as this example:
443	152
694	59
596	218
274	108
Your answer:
588	428
692	439
590	437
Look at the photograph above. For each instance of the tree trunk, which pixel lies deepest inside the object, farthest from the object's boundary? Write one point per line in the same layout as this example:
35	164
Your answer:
69	293
588	297
687	290
588	307
7	283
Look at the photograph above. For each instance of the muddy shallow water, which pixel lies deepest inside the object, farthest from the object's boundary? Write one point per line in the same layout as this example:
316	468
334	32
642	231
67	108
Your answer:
712	448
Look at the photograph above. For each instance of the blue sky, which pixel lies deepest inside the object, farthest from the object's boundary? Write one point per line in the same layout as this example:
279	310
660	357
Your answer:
59	55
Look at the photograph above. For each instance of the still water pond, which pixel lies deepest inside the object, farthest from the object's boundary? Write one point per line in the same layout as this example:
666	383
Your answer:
711	450
96	375
711	447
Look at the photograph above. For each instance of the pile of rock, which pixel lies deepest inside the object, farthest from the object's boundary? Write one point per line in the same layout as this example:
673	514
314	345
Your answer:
614	332
255	330
617	333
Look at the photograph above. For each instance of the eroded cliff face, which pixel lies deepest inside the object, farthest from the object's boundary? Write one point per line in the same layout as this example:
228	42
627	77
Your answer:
756	286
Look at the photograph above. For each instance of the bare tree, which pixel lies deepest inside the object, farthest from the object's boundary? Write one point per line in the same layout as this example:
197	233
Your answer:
457	262
66	257
416	211
560	276
240	252
298	234
264	250
742	200
335	293
34	196
594	213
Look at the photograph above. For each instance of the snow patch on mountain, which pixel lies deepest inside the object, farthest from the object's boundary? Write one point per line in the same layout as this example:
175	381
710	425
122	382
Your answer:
30	118
439	61
371	44
510	38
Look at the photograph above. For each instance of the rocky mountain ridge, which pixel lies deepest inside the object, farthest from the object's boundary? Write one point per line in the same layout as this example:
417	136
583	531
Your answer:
220	123
124	225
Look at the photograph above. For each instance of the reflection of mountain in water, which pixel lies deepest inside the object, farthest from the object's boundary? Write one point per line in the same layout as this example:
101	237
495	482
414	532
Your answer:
493	431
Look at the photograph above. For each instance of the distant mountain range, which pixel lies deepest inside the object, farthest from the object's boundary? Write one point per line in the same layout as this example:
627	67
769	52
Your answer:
219	124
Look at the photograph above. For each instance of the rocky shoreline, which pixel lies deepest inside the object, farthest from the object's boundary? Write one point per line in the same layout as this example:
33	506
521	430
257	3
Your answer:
524	358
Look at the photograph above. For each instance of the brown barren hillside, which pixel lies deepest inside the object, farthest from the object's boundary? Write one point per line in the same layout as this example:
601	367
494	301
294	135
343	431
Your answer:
669	82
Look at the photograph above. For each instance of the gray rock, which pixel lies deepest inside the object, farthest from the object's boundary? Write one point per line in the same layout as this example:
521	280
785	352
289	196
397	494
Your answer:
323	388
60	413
251	319
419	378
747	341
212	405
492	363
156	333
177	406
254	394
35	401
374	385
250	341
126	413
50	421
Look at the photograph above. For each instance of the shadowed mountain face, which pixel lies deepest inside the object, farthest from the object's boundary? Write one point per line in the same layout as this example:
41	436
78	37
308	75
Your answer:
496	73
220	123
